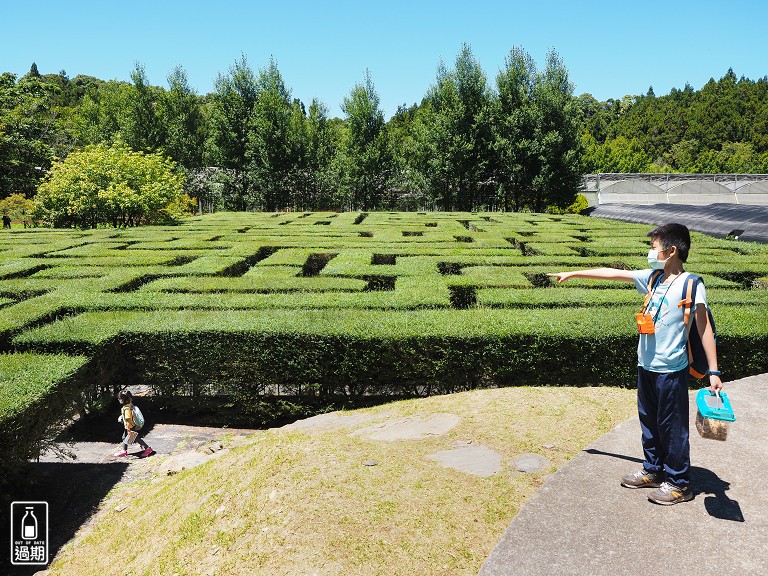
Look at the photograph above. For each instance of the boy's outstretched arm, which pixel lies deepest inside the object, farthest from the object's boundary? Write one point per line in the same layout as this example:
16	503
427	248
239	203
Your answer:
595	274
710	348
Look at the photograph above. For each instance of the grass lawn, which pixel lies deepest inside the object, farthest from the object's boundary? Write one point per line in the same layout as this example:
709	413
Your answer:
292	501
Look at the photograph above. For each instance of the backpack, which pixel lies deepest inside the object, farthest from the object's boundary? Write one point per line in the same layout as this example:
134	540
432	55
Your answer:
697	358
138	418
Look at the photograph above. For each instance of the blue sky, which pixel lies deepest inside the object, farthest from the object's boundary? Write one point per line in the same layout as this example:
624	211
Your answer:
611	48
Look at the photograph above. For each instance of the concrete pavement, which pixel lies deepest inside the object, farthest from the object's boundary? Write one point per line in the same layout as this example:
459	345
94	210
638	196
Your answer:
583	522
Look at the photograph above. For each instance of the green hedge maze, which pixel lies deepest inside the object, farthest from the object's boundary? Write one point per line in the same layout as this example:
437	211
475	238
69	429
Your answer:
352	304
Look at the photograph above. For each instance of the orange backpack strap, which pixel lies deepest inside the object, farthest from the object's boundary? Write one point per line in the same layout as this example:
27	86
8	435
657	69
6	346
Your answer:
687	301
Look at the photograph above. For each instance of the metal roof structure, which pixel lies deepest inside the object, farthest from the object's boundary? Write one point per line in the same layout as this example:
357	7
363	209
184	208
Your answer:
702	189
740	221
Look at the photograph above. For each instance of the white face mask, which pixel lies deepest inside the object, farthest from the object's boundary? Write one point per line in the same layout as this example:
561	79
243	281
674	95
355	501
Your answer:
653	260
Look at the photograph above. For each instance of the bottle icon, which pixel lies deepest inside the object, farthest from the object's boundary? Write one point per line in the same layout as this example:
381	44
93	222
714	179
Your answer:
29	525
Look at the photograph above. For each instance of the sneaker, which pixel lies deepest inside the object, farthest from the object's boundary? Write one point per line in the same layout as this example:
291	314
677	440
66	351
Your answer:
669	494
642	479
121	454
146	452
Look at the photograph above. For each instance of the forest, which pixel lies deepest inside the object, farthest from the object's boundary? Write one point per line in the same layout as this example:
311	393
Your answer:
520	141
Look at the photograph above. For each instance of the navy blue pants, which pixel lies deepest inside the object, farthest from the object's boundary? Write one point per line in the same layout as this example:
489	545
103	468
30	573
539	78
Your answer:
662	404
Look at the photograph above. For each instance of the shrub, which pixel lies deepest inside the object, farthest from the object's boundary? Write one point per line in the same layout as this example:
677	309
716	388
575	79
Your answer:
253	304
365	352
111	185
38	394
579	205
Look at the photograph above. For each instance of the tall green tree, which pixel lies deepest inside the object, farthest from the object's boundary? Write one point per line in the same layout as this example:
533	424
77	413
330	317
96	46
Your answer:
274	140
141	128
232	105
457	154
557	138
27	133
408	189
101	112
514	129
323	139
181	114
367	160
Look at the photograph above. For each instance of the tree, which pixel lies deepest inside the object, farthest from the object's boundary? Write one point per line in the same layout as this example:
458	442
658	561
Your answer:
557	137
142	129
17	207
27	133
367	160
514	127
102	110
732	158
273	150
232	105
618	155
181	115
407	190
456	156
322	139
111	185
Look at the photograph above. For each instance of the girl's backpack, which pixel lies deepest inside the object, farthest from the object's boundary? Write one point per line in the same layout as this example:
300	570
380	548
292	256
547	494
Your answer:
138	418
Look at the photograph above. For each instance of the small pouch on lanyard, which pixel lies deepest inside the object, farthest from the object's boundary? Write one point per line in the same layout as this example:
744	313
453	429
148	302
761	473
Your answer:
643	319
644	323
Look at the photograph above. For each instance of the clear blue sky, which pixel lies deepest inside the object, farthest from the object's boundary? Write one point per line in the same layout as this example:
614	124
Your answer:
322	48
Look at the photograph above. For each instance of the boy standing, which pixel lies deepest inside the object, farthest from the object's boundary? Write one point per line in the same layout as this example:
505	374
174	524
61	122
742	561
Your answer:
662	373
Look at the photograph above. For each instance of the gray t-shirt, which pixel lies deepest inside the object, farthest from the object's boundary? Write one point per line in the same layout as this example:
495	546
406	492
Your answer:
665	350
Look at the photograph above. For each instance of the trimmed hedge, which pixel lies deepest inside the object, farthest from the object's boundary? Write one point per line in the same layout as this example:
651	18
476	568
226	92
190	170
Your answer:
365	351
38	392
355	304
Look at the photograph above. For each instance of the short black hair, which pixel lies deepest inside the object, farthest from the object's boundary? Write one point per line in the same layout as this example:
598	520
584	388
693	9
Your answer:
676	235
125	396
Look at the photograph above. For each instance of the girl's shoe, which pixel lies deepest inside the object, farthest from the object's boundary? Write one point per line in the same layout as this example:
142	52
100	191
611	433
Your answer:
146	452
121	454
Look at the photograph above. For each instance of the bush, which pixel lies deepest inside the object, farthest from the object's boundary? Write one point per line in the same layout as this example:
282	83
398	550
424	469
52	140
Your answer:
341	352
111	185
38	394
579	205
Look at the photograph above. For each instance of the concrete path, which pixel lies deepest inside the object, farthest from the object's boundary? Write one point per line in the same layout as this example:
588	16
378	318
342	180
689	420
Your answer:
174	440
583	522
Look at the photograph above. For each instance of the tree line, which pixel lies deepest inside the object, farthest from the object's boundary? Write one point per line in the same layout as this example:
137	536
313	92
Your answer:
721	128
519	142
250	145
